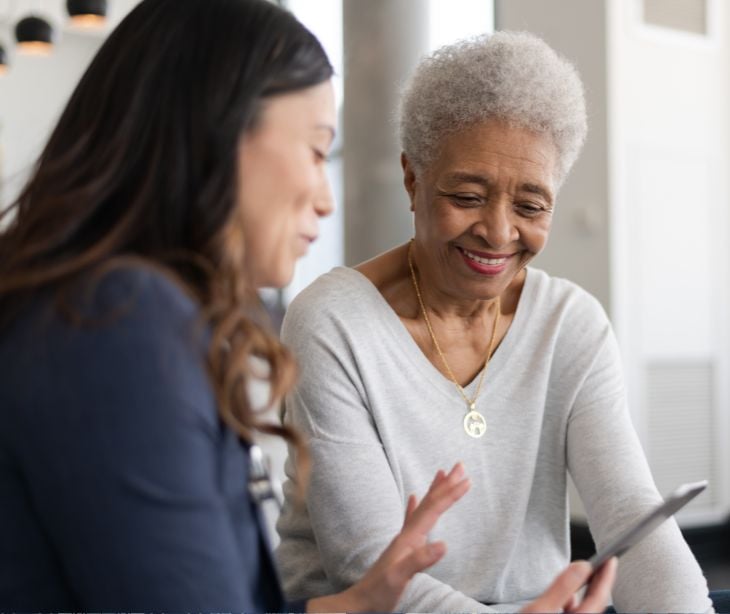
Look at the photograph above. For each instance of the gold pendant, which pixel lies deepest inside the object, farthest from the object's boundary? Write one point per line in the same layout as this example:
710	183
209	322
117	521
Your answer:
474	424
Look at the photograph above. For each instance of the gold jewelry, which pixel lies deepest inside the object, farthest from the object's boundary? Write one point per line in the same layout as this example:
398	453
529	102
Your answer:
474	423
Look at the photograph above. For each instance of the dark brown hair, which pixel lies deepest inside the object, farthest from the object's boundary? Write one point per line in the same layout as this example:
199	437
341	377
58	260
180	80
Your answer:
142	167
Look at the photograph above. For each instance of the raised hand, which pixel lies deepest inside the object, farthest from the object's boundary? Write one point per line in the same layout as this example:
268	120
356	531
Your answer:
408	553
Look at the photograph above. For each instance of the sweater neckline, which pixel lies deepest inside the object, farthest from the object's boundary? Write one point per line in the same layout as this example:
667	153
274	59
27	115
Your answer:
421	363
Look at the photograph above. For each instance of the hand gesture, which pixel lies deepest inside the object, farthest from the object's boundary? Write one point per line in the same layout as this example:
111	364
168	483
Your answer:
408	553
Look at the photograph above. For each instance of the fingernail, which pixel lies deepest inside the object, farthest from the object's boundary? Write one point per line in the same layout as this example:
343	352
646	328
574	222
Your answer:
436	548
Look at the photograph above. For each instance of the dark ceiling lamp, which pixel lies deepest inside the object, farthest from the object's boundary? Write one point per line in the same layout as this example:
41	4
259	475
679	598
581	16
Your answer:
34	36
3	61
87	13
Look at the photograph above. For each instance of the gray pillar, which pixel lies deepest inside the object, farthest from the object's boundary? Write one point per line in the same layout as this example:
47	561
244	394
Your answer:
383	41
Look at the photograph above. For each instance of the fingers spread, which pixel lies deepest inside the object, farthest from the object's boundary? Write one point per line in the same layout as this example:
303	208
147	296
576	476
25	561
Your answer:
438	478
436	502
421	517
440	489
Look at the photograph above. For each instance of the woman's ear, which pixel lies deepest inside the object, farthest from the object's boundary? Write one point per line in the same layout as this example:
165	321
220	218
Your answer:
409	178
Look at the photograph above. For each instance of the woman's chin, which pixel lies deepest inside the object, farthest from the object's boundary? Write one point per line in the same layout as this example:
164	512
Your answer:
279	278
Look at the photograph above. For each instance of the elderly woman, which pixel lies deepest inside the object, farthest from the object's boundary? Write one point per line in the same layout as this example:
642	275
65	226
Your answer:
449	348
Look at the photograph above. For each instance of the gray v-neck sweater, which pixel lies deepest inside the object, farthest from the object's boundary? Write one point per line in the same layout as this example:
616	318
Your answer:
381	419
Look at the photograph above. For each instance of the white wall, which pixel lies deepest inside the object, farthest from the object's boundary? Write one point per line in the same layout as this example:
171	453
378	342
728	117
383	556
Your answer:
671	154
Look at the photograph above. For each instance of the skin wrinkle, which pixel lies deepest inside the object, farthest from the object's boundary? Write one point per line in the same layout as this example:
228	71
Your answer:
508	158
452	180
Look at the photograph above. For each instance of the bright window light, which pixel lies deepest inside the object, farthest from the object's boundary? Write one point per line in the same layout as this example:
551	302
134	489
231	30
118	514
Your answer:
451	20
324	20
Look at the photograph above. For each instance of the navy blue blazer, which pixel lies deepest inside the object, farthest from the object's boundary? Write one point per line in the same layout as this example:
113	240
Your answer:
120	488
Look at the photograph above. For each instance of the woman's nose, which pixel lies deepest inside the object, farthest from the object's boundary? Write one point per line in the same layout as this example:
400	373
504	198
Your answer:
324	202
496	225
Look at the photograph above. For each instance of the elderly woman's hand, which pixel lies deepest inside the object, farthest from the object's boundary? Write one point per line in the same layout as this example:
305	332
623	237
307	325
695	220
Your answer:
408	553
561	596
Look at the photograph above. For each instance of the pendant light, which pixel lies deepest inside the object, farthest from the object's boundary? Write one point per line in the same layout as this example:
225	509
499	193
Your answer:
87	13
34	35
3	61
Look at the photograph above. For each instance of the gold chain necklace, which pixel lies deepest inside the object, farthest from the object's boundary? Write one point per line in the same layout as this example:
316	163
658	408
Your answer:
474	423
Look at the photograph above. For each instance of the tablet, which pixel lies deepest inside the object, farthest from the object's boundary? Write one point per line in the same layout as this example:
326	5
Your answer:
674	502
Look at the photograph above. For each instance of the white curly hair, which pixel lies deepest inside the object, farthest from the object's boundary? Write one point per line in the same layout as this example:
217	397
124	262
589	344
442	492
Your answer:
514	76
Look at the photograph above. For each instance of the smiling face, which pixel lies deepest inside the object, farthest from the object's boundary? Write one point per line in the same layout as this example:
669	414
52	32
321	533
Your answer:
483	209
283	189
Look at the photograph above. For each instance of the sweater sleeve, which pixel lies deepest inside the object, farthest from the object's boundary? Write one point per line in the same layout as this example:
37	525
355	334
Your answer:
353	504
128	474
612	476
